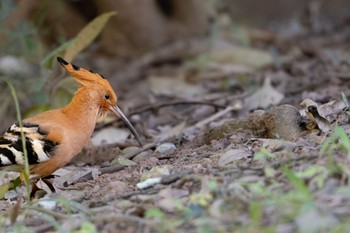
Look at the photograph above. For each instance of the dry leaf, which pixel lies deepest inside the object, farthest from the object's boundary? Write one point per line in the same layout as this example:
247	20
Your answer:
110	135
240	55
87	35
173	132
311	110
332	107
233	155
264	97
71	176
171	87
43	185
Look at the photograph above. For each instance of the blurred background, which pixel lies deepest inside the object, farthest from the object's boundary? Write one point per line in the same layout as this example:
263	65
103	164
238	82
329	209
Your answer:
151	49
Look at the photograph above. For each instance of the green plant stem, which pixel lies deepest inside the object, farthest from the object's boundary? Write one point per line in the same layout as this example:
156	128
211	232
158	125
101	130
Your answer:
19	119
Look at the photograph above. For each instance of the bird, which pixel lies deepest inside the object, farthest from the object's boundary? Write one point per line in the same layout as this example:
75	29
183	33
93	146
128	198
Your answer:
53	138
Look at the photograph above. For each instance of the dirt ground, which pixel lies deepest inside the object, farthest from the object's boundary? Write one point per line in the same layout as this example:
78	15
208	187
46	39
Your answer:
228	145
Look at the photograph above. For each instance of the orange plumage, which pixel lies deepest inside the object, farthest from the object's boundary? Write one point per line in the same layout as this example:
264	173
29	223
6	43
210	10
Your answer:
54	137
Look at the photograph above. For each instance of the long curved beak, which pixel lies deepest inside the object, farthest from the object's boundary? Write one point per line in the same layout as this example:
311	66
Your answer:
116	110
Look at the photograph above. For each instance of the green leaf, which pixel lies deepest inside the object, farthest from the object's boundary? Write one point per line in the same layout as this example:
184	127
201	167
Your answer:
255	211
87	227
318	173
25	171
298	184
3	189
87	35
343	138
64	91
263	154
154	213
48	61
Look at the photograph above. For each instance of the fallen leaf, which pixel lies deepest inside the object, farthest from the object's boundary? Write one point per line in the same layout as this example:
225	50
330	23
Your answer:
315	117
233	155
263	98
44	186
165	147
74	175
332	107
173	132
176	86
241	55
110	135
277	144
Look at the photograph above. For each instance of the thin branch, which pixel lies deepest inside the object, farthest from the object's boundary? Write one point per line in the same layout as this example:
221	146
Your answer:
48	212
132	154
176	102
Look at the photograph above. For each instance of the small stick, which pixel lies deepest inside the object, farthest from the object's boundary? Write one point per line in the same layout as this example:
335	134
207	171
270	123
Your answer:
176	102
132	154
48	212
205	121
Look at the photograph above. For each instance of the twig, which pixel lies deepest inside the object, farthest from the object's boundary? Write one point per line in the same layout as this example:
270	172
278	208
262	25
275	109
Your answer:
205	121
103	170
43	228
111	169
123	217
176	102
132	154
106	204
48	212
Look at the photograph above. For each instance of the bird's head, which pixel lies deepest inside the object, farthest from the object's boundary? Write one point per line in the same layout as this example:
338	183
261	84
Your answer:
100	90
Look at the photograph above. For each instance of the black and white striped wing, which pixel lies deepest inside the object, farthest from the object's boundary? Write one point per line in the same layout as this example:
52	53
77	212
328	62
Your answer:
39	149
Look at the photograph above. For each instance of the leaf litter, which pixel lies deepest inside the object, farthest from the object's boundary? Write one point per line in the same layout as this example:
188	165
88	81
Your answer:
265	161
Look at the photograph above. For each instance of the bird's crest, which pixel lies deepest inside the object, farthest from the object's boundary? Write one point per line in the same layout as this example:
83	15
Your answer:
83	76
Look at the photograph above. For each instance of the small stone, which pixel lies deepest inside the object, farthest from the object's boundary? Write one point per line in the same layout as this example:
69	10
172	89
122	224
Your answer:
73	195
11	195
148	183
129	150
47	204
158	171
141	156
123	161
10	65
165	147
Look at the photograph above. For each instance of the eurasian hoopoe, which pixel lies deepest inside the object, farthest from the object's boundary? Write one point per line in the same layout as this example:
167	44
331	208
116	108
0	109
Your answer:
54	137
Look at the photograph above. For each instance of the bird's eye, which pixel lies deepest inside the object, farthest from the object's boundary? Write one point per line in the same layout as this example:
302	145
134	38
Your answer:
106	96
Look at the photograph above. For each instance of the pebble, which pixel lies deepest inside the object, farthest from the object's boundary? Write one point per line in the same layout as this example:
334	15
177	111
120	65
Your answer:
165	147
129	150
11	195
48	204
123	161
155	172
73	195
141	156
